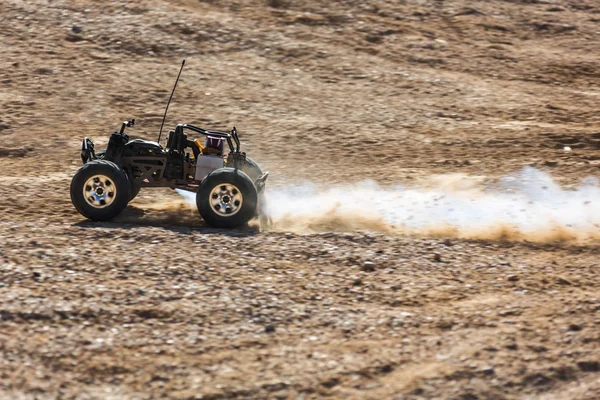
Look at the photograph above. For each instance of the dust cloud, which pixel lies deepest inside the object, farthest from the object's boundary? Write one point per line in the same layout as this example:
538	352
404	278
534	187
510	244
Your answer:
528	205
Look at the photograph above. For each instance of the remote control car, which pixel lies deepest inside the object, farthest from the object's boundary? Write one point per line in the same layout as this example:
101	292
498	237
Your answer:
227	184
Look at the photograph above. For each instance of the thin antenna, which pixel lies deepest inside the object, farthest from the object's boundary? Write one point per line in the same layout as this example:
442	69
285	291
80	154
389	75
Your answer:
169	102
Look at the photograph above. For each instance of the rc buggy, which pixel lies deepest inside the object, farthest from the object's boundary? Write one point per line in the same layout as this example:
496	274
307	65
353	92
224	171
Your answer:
227	183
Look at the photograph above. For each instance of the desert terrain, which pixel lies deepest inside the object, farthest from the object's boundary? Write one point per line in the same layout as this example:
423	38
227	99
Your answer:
156	305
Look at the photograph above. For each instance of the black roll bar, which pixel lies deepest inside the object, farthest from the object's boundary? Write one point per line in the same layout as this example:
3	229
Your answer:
225	135
236	138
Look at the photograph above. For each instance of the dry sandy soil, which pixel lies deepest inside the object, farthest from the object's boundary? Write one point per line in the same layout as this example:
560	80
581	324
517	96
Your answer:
156	305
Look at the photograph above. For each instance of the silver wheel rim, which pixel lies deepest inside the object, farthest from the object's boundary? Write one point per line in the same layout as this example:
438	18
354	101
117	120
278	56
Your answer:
226	199
99	191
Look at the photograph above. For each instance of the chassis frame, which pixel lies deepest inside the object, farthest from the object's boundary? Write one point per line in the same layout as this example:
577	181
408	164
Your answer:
148	164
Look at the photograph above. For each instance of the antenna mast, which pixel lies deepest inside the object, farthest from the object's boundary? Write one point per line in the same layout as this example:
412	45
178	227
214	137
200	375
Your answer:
169	102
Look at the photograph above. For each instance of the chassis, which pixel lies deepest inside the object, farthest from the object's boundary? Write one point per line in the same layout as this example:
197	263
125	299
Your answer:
227	186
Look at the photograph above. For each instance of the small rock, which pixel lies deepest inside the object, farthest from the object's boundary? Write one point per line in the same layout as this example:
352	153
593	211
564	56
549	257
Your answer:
468	11
575	327
537	348
488	371
368	266
437	257
331	383
386	369
14	152
566	28
270	328
562	281
373	39
565	373
43	71
310	19
76	29
589	366
513	278
418	391
276	3
74	38
537	379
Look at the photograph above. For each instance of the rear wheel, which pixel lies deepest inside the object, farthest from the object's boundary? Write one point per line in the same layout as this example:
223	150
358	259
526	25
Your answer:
227	198
252	169
100	190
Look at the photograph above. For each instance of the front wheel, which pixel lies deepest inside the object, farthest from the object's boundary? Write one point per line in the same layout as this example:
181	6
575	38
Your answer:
227	198
134	188
100	190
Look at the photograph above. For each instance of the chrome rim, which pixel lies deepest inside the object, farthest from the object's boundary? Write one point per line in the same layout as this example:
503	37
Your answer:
99	191
226	199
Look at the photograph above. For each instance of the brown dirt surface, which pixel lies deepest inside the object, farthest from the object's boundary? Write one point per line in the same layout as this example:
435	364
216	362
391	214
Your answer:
156	305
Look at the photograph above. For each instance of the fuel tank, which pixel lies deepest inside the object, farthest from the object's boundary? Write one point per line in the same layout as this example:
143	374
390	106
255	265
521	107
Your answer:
207	164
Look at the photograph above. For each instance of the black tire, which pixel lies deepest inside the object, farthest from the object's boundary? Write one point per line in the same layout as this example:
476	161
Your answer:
254	172
252	169
135	190
116	179
229	186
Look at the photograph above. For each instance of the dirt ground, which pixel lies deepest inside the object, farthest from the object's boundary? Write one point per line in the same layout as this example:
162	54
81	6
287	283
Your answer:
156	305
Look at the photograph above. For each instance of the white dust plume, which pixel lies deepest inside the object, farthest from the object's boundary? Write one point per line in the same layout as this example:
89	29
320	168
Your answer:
526	206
